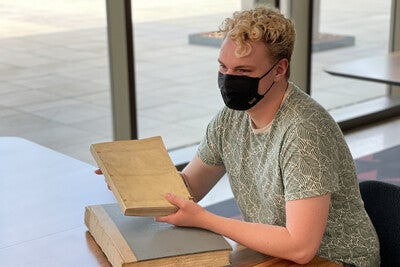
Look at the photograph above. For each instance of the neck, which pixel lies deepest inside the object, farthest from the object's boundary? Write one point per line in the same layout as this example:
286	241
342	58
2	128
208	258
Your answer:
264	112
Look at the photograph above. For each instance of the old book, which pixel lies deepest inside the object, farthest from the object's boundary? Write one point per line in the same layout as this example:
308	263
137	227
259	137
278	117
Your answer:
141	241
140	173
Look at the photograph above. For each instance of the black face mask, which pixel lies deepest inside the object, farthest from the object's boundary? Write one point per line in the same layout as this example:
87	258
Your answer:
240	92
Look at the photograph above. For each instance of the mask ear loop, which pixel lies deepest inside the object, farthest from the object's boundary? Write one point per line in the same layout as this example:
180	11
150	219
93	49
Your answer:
269	88
265	74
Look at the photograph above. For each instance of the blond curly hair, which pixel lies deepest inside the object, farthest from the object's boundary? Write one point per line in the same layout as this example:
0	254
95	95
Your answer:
266	24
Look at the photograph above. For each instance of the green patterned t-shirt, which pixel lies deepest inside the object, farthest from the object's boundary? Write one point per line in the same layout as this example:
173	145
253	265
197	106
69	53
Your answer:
304	154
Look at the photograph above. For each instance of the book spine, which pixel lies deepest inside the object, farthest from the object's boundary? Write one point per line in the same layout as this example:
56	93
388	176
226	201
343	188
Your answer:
96	155
97	220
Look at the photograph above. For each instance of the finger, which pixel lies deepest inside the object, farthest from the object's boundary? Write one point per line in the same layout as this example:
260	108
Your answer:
161	218
108	185
175	200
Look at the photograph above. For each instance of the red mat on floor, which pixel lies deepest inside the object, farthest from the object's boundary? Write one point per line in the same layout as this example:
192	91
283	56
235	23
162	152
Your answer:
383	166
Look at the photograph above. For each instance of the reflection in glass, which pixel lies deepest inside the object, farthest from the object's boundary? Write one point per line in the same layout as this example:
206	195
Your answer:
347	30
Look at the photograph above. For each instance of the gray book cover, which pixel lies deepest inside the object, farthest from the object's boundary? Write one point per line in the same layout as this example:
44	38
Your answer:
149	239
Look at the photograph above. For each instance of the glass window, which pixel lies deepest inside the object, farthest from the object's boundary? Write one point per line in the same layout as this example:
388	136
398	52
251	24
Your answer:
54	82
342	31
176	79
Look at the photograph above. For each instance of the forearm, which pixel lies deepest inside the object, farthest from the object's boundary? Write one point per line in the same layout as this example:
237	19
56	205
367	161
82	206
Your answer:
272	240
268	239
197	188
298	241
200	177
189	188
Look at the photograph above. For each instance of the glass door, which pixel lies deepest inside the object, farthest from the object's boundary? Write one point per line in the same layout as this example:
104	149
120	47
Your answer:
342	31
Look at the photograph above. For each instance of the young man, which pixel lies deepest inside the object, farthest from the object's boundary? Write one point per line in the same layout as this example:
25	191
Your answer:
290	169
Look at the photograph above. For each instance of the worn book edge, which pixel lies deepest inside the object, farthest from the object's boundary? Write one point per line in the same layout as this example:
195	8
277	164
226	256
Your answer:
108	237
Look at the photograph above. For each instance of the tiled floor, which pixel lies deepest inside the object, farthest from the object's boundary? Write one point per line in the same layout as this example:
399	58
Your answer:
54	82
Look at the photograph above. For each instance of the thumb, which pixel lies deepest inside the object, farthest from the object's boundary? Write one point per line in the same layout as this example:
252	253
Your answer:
175	200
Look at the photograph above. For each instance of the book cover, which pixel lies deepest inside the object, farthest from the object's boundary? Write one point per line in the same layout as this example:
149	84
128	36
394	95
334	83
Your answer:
140	173
141	241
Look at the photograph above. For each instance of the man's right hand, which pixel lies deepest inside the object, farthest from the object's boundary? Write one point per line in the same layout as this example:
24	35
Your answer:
99	172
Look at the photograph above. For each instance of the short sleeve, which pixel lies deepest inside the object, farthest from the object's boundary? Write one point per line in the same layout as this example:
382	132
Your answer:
310	160
209	150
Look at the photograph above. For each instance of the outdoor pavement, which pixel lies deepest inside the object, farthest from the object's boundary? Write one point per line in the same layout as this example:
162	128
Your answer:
54	77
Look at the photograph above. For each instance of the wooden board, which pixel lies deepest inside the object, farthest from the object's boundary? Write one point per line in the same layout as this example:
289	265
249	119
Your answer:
140	173
142	242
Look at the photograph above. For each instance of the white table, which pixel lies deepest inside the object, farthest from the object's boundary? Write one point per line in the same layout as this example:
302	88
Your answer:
43	194
383	69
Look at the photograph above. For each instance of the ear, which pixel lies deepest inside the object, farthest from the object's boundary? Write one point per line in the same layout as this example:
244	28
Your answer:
281	69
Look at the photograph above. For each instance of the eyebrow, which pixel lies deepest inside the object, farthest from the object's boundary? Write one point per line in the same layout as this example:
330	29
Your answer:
238	67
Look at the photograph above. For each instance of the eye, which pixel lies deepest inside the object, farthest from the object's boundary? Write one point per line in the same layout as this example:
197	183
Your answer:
222	68
242	71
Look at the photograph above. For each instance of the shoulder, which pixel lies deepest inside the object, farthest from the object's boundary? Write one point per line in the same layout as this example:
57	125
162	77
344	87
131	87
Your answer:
227	117
303	104
302	122
301	110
